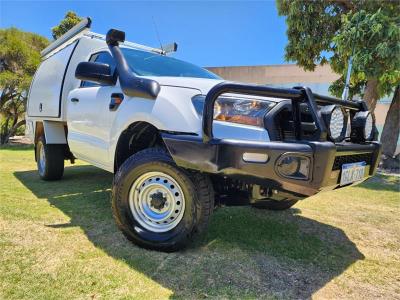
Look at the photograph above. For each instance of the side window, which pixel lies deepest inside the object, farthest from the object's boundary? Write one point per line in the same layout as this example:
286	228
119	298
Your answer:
101	57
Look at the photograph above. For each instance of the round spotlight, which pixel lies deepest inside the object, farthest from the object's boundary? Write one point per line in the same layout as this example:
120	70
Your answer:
362	127
337	123
335	120
369	124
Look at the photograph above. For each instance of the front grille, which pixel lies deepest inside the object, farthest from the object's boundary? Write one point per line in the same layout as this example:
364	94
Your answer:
285	127
348	159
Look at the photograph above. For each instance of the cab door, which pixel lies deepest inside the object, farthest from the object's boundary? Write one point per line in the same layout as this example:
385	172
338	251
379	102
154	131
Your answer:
90	116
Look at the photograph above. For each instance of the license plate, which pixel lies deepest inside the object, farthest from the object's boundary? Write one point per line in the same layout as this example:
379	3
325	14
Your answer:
352	172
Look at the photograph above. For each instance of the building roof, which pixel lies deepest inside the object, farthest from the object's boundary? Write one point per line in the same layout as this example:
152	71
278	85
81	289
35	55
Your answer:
276	74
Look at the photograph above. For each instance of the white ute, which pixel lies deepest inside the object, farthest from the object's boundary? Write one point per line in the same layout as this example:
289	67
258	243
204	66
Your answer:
176	136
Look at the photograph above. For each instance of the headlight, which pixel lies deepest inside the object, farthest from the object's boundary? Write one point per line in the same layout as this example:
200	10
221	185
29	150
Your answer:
335	121
249	111
362	127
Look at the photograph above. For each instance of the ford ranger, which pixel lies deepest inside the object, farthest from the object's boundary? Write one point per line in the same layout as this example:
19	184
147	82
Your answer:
177	136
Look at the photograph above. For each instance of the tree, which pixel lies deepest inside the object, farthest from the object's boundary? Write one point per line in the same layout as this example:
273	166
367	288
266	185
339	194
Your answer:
391	130
374	36
19	58
327	31
69	21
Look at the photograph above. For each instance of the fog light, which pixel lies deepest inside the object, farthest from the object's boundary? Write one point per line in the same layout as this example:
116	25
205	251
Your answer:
293	166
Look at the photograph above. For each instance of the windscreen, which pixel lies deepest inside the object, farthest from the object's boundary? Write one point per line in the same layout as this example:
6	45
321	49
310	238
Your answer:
152	64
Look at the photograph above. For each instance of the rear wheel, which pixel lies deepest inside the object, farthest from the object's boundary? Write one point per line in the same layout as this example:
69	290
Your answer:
50	159
158	205
275	204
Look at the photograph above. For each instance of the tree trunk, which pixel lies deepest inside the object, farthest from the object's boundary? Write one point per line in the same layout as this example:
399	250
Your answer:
6	136
4	131
371	93
391	129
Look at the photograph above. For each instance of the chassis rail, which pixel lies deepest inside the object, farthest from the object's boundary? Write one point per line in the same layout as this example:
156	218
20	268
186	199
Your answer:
297	95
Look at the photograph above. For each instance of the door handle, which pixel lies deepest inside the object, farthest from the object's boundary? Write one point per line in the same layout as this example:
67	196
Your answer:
74	100
116	100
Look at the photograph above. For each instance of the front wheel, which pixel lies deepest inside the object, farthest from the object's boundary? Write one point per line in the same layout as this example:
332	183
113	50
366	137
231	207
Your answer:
158	205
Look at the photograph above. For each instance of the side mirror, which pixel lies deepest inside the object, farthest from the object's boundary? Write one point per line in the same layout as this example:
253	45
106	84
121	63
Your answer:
95	72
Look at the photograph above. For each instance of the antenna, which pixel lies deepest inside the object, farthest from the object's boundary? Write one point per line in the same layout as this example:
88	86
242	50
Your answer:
346	89
157	34
169	48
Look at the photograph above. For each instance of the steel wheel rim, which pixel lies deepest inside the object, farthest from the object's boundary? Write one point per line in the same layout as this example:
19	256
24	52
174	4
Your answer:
157	202
42	159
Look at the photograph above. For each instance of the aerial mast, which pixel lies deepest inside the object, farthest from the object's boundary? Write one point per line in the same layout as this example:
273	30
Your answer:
346	89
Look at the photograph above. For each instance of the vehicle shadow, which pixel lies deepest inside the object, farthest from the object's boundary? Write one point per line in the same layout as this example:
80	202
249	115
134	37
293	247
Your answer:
382	183
245	253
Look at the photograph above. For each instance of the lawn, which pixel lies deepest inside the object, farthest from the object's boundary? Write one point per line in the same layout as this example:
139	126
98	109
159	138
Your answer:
58	241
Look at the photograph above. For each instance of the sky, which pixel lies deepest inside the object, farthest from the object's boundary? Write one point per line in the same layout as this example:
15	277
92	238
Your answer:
208	33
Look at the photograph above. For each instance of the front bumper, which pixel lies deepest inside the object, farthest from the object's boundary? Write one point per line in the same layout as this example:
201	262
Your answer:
225	157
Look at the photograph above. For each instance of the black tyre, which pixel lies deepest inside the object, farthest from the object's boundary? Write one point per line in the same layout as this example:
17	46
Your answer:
158	205
50	160
275	204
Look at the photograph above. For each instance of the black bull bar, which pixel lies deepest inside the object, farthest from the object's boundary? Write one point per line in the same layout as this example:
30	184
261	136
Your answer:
297	95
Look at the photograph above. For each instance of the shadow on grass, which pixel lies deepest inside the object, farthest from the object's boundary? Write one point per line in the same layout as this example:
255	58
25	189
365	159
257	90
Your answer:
245	253
382	183
17	147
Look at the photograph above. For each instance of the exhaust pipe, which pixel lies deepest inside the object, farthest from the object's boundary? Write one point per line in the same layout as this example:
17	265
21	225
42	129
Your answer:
131	84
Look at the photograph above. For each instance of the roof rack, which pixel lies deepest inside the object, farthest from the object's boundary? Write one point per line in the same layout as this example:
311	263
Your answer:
126	43
70	36
82	29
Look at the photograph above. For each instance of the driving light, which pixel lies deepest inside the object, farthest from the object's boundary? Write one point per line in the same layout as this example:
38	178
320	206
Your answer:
293	166
335	121
248	111
362	127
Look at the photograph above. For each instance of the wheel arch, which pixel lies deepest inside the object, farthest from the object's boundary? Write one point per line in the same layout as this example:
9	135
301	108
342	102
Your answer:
137	136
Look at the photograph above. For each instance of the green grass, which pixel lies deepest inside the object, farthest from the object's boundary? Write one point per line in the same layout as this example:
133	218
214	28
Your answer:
58	241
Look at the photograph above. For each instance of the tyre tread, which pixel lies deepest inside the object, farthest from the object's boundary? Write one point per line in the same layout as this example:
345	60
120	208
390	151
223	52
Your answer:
55	160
